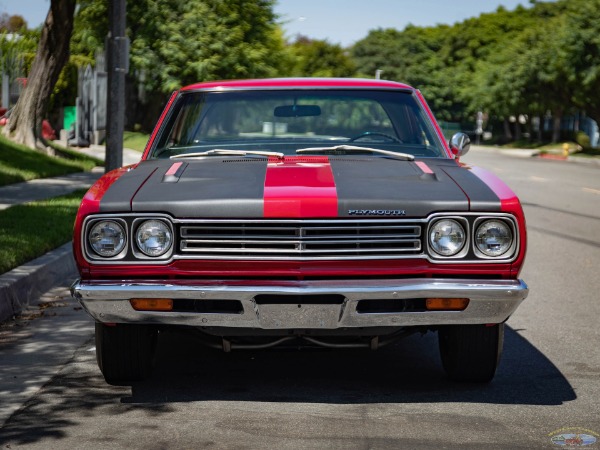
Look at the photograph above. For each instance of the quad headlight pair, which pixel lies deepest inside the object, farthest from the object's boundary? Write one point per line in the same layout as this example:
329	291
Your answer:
108	238
492	237
472	237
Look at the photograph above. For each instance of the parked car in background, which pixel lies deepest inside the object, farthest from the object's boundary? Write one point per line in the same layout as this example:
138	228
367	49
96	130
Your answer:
318	212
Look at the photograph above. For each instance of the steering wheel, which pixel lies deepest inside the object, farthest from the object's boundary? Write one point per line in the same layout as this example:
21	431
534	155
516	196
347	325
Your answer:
375	133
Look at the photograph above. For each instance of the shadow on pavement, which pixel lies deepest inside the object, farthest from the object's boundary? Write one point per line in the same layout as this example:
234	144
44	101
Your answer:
406	372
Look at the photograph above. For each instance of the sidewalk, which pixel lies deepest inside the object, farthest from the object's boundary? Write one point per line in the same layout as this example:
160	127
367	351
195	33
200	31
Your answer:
43	188
99	151
22	285
534	153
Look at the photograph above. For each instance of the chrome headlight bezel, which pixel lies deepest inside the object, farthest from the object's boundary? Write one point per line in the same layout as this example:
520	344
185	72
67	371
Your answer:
509	249
119	252
463	228
138	249
130	253
470	254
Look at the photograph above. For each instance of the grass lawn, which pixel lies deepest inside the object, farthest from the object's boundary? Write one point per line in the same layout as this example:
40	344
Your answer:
19	163
135	141
32	229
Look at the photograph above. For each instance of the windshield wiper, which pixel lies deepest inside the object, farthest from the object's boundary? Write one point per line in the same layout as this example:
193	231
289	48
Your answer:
225	152
345	149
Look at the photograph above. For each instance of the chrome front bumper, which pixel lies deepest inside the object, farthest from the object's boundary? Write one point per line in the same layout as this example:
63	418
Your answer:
491	301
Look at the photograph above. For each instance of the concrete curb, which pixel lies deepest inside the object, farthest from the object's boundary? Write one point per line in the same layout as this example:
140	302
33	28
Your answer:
21	286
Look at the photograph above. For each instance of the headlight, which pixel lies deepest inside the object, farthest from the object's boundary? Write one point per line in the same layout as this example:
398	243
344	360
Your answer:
107	238
493	238
447	237
154	237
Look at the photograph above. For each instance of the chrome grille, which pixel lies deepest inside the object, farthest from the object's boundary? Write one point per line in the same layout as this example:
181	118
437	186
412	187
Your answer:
310	239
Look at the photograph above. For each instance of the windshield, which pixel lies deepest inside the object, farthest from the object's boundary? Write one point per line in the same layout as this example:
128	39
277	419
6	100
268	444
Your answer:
284	121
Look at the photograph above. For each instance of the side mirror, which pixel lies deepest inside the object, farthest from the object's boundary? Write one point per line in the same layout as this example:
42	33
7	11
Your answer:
460	144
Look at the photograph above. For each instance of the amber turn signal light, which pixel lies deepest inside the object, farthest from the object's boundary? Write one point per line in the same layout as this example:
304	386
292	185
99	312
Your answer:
446	304
152	304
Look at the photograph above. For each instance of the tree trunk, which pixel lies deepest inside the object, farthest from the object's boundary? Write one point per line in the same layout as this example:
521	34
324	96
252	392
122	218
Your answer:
52	54
507	133
556	120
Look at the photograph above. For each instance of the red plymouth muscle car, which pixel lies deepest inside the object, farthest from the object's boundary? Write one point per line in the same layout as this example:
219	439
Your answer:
319	212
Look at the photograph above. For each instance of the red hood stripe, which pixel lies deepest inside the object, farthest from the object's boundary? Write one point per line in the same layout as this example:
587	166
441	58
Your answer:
300	187
424	167
174	168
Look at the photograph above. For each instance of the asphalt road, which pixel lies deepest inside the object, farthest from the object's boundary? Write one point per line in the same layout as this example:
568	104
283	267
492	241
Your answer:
53	396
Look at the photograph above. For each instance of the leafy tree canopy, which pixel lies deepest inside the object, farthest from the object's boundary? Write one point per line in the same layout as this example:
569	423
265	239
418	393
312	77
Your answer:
318	58
527	61
12	24
536	58
174	43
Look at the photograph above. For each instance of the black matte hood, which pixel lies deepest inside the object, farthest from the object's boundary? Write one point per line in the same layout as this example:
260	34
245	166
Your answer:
298	187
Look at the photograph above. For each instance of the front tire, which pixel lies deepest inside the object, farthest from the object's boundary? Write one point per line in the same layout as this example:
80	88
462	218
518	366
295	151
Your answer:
125	352
471	353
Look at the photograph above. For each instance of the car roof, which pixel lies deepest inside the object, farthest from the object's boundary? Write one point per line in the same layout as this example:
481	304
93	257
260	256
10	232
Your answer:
269	83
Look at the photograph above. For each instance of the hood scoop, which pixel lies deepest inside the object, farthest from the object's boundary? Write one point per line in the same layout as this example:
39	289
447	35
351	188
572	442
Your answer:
173	173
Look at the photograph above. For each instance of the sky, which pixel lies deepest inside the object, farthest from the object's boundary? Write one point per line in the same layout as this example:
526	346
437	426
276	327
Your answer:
338	21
